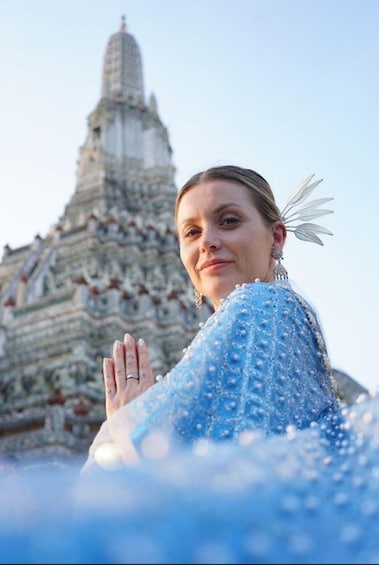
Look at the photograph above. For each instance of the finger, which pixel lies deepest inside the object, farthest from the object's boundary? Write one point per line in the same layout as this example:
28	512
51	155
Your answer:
144	366
108	372
109	384
131	361
119	364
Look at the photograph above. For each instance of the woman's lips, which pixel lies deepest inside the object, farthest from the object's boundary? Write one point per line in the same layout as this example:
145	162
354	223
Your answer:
212	266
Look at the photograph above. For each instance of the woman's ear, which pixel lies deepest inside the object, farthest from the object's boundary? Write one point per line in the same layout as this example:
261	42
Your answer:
280	234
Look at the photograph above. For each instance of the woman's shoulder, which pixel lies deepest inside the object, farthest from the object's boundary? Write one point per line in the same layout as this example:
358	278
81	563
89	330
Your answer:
260	304
250	302
277	298
259	292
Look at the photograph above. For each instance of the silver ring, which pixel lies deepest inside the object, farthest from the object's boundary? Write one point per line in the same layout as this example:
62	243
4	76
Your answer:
132	376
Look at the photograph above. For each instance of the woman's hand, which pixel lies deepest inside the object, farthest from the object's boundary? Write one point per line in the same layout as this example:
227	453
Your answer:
128	374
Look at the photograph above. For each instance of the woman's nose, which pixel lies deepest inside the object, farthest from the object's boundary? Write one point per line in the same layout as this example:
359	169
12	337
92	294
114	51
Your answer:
210	241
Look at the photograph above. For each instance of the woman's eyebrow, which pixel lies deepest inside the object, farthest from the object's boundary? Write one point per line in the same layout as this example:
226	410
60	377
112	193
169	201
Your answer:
227	205
217	210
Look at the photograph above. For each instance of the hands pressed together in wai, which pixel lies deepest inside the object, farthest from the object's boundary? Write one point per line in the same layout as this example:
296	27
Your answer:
128	374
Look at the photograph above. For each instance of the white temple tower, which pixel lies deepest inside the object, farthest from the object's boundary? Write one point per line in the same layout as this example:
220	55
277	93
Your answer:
108	265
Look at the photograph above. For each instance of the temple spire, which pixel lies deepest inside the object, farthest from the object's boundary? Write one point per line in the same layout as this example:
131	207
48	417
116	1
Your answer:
122	69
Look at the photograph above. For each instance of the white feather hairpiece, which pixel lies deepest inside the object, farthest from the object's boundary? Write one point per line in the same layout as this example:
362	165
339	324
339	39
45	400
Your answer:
291	216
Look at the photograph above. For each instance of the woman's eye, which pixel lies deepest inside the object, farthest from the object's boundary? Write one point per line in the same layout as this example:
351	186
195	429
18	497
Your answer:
230	221
192	232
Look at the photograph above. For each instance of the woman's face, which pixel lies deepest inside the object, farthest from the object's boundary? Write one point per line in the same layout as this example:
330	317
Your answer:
223	238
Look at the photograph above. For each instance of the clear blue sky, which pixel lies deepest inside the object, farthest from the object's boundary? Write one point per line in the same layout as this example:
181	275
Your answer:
287	87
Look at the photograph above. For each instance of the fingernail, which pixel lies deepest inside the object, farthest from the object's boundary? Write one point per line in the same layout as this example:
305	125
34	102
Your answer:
141	342
128	338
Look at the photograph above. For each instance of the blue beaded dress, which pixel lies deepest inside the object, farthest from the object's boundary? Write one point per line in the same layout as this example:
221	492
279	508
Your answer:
258	364
246	456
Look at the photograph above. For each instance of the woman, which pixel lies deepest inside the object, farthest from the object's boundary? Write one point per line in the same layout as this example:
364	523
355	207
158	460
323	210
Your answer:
260	361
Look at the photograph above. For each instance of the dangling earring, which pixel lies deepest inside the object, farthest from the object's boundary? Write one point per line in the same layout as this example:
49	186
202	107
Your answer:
280	272
198	298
